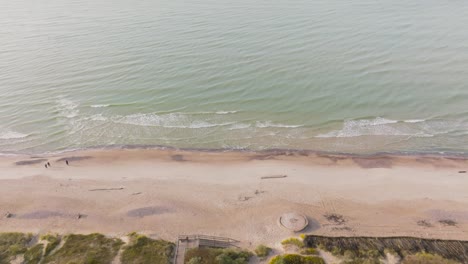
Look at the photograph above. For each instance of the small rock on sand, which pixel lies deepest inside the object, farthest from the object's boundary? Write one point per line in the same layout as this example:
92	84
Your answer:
8	215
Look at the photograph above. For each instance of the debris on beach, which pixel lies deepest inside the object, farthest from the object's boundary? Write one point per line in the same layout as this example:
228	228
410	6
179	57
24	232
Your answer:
344	228
8	215
448	222
107	189
424	223
462	172
80	216
257	192
336	219
136	193
274	177
244	198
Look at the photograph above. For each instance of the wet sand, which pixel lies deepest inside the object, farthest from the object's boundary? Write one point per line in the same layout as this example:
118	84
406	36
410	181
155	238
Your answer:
165	193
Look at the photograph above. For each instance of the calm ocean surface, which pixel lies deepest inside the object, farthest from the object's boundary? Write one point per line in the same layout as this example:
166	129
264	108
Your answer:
360	76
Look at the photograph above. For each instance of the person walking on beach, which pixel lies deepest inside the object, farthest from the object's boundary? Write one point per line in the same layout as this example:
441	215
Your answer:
45	165
66	161
48	164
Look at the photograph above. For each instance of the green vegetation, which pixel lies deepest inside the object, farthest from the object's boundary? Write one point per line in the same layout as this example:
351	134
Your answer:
262	251
426	258
296	259
216	256
98	249
292	242
12	244
357	256
195	260
372	249
86	249
52	242
309	251
34	254
142	249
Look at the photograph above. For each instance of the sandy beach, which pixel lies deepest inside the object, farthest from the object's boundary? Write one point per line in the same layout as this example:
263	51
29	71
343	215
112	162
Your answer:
166	193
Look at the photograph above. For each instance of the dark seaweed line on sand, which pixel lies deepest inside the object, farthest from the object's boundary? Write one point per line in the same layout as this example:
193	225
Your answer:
272	152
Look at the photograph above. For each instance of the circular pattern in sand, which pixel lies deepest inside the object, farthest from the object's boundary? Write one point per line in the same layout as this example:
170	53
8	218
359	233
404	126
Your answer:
293	221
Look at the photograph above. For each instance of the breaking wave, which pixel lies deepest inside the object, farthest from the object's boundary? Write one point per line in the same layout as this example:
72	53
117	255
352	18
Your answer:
12	135
266	124
167	120
380	127
99	105
225	112
67	108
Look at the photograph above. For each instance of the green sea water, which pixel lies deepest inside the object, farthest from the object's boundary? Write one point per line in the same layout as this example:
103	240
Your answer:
359	76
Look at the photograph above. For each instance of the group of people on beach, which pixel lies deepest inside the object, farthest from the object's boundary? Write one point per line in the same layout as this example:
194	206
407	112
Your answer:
47	165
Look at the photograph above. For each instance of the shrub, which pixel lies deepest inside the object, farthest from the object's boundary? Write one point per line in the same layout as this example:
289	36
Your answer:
12	244
262	251
195	260
349	255
142	249
336	251
218	256
358	256
309	251
53	242
426	258
34	254
93	248
390	251
277	260
296	259
293	242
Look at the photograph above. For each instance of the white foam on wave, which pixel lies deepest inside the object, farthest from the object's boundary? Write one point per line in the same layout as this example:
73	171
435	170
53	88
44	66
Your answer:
266	124
98	117
173	120
414	121
207	113
12	135
239	126
99	105
225	112
376	127
67	108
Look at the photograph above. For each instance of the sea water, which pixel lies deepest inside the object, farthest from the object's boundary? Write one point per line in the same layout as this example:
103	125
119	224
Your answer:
360	76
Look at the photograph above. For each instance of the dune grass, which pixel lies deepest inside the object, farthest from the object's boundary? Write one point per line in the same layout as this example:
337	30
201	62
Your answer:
262	251
309	251
292	242
411	250
216	256
13	244
142	249
52	242
426	258
34	254
87	249
296	259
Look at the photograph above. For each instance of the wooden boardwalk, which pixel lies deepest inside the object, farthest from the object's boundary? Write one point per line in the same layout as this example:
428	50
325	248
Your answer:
186	242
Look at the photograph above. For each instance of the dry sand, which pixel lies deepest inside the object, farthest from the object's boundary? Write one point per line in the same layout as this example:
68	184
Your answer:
165	193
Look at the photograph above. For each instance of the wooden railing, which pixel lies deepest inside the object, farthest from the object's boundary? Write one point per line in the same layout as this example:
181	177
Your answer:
207	241
204	237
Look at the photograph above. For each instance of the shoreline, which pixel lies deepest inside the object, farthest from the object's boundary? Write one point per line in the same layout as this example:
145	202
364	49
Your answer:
270	151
